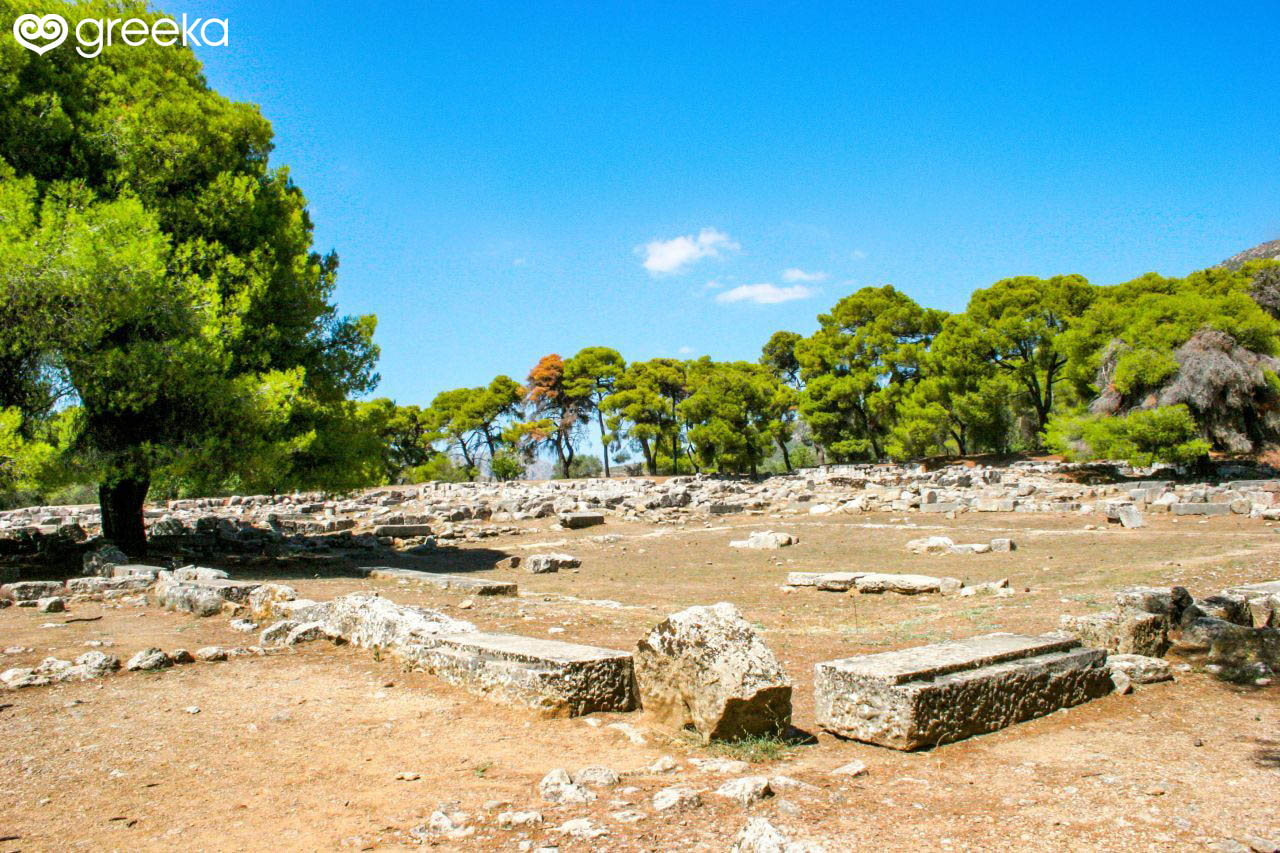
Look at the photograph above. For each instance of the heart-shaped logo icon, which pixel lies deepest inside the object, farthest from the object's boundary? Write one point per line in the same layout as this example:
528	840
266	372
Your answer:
51	27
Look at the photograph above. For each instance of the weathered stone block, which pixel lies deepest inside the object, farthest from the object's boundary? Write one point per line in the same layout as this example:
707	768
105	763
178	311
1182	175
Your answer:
906	584
370	621
1201	509
199	573
1231	645
948	691
31	590
402	531
577	520
706	667
455	583
541	564
1141	669
1168	601
765	540
1121	632
201	597
560	679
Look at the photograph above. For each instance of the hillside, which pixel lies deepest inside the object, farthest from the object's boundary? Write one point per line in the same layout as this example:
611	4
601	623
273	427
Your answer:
1269	251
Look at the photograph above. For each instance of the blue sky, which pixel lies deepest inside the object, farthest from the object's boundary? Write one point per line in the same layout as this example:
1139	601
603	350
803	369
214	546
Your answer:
506	180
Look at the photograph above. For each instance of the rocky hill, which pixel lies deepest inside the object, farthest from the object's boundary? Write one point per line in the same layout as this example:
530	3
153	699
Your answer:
1269	251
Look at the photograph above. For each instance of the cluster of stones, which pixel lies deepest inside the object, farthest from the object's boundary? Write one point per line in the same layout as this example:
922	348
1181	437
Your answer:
1235	629
632	797
425	515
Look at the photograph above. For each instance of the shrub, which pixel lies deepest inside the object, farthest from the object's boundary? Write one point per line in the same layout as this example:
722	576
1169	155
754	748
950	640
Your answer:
1142	437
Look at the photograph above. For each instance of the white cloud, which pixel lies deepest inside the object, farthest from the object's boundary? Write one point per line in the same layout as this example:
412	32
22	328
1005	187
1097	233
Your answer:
519	262
797	274
765	293
712	285
858	255
666	257
686	350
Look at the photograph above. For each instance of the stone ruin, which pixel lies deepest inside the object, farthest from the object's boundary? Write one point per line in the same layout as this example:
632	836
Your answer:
704	668
427	516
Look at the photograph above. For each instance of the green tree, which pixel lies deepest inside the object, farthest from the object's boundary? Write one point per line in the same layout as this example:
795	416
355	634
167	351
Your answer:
1016	325
190	279
734	413
451	419
779	355
866	353
592	375
645	408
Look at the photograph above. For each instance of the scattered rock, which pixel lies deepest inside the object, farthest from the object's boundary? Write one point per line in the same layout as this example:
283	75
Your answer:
745	791
676	797
148	660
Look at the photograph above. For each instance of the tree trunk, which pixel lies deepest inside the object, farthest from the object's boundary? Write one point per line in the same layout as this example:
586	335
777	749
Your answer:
650	464
786	457
604	447
121	505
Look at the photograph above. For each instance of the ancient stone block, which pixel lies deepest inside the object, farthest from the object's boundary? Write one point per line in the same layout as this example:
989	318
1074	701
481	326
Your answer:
30	590
201	597
577	520
1168	601
370	621
1200	509
402	531
1121	632
541	564
555	677
948	691
764	540
1141	669
706	667
455	583
872	582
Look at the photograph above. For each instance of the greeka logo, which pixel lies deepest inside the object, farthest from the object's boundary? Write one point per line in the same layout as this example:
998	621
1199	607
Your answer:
42	33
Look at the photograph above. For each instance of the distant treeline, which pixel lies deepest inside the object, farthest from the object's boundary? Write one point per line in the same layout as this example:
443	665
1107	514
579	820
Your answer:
1156	369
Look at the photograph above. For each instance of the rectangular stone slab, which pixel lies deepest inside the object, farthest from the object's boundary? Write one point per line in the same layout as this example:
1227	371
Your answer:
949	691
560	679
402	531
830	581
577	520
455	583
1201	509
873	582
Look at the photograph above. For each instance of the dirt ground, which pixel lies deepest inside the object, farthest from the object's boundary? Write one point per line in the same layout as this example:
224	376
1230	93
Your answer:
300	750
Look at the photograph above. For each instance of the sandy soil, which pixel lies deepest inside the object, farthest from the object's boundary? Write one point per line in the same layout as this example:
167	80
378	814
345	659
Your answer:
300	750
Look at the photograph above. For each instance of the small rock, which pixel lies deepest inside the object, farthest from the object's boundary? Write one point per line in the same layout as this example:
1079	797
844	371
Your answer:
148	660
676	798
853	768
745	791
211	653
52	604
596	777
